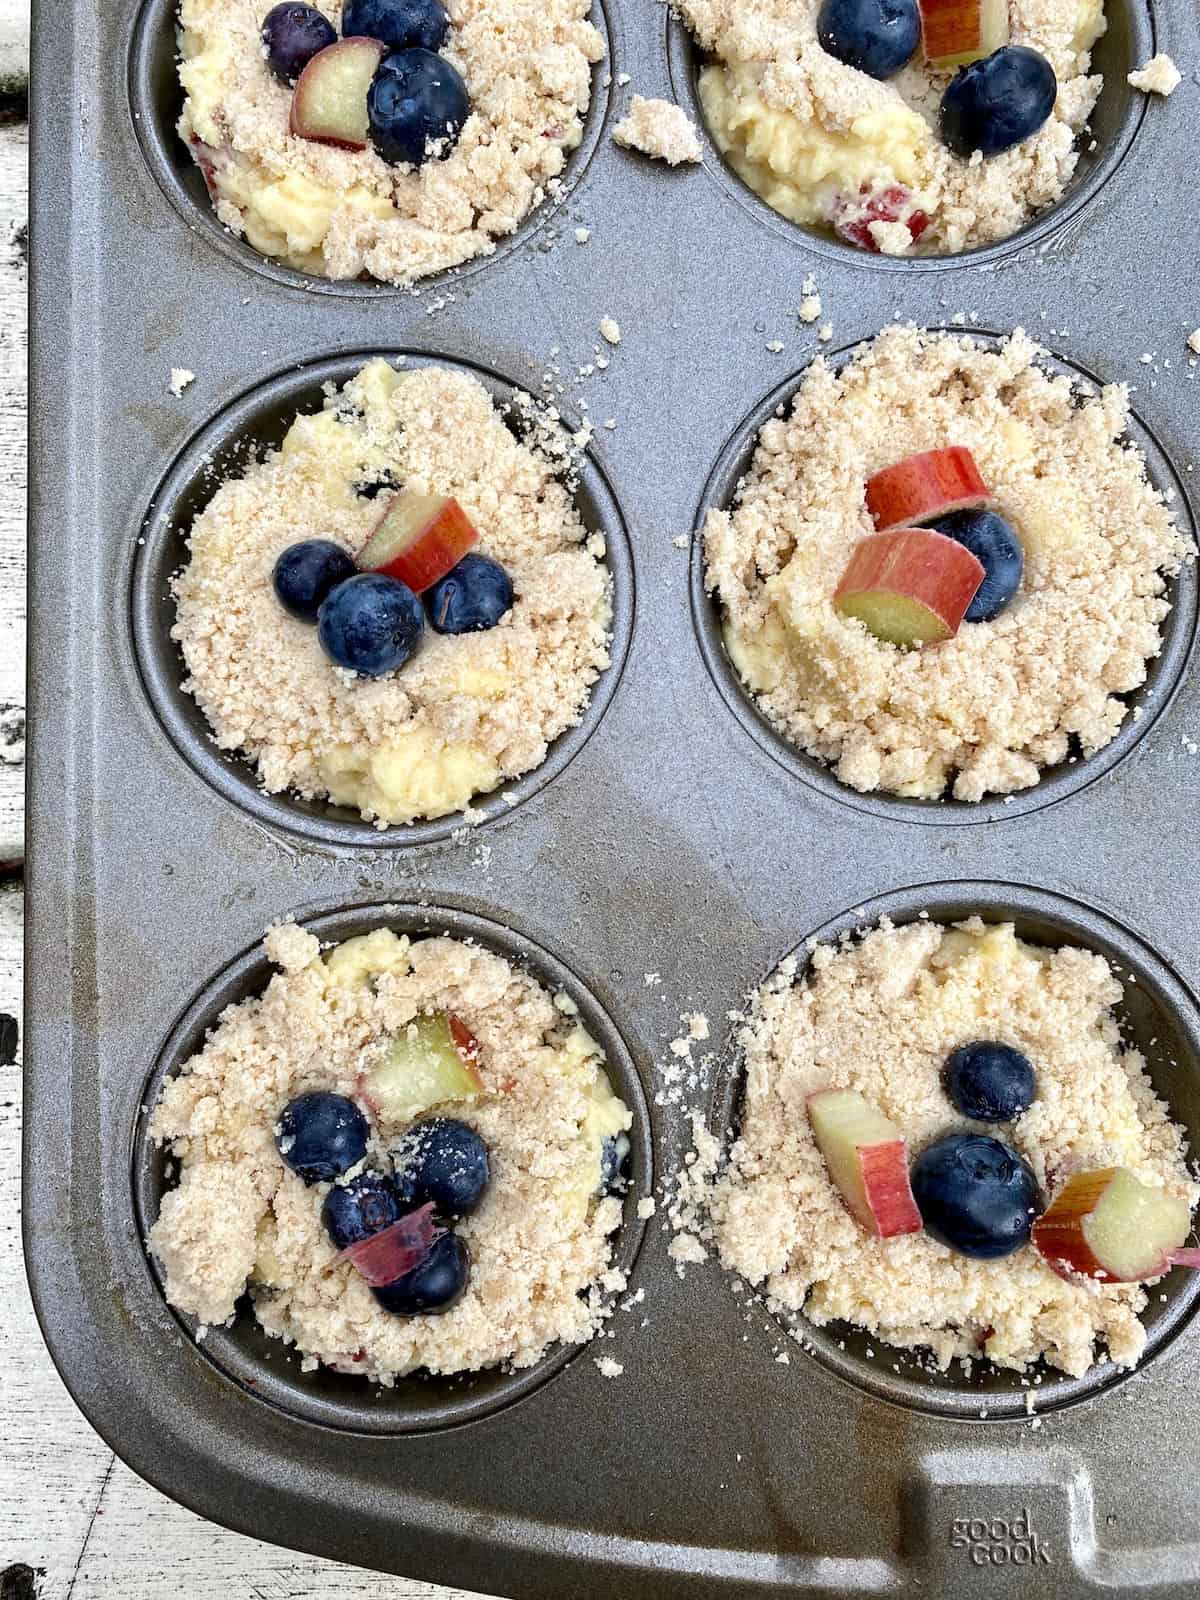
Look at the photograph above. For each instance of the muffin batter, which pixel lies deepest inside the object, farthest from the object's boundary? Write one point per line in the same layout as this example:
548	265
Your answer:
880	1015
240	1220
341	213
467	711
985	711
812	135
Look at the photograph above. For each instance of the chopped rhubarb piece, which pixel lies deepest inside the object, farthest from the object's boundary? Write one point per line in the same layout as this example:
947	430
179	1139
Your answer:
928	485
853	215
395	1250
867	1161
909	586
956	32
465	1041
329	102
1109	1226
431	1062
418	539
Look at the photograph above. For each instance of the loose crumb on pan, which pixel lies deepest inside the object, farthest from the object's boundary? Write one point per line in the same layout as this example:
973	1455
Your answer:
607	1367
1160	75
879	1013
1194	341
466	711
983	712
660	129
610	330
810	308
179	380
239	1219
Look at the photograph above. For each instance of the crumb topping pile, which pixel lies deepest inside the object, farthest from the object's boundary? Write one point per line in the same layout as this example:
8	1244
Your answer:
470	710
880	1015
659	129
341	213
804	129
985	711
240	1220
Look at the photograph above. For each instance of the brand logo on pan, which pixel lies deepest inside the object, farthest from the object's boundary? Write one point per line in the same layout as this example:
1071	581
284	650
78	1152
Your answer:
1000	1541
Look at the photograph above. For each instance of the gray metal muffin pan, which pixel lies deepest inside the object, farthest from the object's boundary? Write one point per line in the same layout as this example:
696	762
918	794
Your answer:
660	839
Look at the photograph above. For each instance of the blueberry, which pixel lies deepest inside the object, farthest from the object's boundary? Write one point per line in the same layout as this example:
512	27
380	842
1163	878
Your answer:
614	1153
400	24
416	106
976	1195
439	1282
991	541
355	1210
876	36
306	572
370	624
995	103
321	1136
293	34
444	1162
989	1082
471	598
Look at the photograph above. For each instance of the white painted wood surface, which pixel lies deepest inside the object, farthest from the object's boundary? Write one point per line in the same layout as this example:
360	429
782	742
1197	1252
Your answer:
13	145
84	1524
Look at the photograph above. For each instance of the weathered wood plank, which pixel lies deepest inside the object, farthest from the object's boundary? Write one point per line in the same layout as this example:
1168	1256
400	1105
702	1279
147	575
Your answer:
13	214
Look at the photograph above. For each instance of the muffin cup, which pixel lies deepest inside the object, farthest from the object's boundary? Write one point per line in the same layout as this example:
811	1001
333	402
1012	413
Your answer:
268	1368
255	421
1158	1015
1120	110
1164	673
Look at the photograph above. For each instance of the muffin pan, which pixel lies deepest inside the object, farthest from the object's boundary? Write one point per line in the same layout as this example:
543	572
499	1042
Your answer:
659	839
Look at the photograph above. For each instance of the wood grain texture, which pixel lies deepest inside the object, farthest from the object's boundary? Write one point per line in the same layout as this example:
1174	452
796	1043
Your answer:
14	147
86	1526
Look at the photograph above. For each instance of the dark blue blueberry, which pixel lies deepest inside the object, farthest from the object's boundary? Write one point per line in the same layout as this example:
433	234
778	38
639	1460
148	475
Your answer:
876	36
416	105
976	1195
306	572
442	1161
992	542
400	24
321	1136
437	1284
614	1153
989	1082
355	1210
471	598
370	624
995	103
293	34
